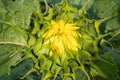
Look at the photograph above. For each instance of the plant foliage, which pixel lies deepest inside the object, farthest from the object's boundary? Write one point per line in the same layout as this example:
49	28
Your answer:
59	40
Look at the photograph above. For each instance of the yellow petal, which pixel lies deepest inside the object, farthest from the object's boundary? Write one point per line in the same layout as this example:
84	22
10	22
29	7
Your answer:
62	35
58	45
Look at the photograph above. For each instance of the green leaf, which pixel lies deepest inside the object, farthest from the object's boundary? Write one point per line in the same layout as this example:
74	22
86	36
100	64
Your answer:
20	69
52	1
8	58
12	40
69	8
99	22
46	75
17	12
114	40
41	58
107	10
66	69
32	40
87	43
14	18
36	27
115	53
104	68
103	11
73	63
13	35
37	46
86	4
56	58
79	74
47	64
67	78
83	55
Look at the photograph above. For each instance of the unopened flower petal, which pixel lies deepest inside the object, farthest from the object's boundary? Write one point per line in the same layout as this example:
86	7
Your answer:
61	35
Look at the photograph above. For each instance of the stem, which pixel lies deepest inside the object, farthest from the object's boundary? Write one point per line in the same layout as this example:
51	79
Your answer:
113	36
96	42
99	58
20	44
83	69
30	71
6	23
97	23
47	6
57	73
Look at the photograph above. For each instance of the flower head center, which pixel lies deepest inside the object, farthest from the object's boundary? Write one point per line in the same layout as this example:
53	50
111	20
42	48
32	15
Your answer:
59	31
62	37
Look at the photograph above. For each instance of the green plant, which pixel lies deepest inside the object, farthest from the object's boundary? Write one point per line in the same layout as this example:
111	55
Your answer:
59	40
